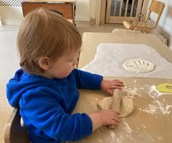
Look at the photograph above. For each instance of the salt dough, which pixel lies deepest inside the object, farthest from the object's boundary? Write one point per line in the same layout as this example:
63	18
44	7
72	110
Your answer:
120	102
138	65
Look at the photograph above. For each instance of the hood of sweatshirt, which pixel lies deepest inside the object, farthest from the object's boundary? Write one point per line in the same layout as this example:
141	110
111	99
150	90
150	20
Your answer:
21	82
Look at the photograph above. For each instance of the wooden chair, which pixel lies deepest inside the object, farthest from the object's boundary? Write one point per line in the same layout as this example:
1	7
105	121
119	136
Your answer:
14	132
156	7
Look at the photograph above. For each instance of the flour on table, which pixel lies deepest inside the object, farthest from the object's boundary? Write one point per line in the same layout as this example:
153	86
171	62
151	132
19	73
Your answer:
156	107
125	132
131	92
112	134
141	127
129	130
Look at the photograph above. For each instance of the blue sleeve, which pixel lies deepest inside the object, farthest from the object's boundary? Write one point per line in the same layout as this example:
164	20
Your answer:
47	115
86	80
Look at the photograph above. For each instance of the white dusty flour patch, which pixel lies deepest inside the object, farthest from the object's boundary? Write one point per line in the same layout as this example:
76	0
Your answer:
125	131
134	90
158	107
128	129
131	92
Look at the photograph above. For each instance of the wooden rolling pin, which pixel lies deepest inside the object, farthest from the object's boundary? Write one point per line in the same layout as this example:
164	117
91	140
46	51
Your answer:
116	103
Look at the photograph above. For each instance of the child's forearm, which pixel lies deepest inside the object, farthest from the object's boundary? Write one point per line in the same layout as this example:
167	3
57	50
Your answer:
97	121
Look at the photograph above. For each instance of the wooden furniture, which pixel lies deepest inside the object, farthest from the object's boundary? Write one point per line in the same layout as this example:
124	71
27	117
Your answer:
66	7
152	115
14	132
92	40
156	7
149	122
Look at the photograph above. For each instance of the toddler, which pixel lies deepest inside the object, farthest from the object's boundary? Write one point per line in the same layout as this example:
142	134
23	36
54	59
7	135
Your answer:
45	88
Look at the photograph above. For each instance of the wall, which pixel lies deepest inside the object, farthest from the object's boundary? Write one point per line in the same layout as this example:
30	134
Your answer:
83	10
95	11
166	19
165	22
11	15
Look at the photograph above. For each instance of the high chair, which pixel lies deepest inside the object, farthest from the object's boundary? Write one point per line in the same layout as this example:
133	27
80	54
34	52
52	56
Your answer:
14	132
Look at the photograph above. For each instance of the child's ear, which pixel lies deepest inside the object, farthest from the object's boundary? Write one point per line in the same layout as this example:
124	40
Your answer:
44	63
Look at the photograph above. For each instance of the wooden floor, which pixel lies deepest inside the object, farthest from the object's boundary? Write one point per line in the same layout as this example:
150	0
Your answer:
9	61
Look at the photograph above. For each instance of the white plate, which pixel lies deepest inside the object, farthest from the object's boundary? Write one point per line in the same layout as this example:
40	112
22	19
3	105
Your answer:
138	65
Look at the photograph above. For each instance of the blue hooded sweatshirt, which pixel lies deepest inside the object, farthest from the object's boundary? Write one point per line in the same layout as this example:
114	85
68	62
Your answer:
46	105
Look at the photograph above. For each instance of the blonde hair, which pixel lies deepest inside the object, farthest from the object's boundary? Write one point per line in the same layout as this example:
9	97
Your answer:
45	33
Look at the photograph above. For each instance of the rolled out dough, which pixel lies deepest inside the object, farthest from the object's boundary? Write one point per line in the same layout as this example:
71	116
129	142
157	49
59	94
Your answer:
126	105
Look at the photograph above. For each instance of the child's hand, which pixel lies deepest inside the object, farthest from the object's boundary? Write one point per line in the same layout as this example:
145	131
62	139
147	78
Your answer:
109	85
110	117
104	117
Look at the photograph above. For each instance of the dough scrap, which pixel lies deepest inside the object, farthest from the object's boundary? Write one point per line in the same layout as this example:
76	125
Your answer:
126	103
